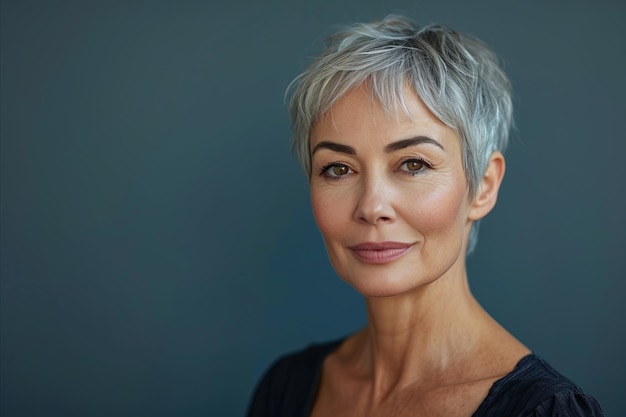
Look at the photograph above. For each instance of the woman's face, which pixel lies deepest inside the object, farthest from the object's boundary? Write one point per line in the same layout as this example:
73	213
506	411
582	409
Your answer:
389	194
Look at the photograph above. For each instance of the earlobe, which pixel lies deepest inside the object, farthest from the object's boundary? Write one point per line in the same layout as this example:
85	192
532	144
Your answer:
487	192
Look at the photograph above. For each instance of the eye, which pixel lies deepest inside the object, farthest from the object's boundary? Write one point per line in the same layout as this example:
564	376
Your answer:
414	166
335	170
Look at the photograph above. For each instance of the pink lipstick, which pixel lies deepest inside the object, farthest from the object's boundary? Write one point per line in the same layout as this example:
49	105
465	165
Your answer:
380	252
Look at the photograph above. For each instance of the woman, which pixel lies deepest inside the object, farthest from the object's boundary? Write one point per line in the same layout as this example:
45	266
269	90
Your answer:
401	132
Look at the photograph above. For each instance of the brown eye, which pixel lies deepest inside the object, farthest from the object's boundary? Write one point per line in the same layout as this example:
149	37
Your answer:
414	165
336	170
339	170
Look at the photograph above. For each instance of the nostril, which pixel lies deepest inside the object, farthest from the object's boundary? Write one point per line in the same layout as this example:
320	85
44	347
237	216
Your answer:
374	219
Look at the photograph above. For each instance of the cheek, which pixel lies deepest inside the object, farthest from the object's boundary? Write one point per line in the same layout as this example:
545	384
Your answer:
328	211
438	209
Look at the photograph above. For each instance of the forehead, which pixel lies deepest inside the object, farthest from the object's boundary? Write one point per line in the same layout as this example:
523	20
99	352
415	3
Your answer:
359	115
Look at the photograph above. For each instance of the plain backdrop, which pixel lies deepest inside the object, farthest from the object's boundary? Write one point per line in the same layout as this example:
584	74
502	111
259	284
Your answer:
157	246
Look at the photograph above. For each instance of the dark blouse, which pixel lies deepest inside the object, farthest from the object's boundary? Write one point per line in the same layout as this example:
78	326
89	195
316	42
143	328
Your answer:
532	389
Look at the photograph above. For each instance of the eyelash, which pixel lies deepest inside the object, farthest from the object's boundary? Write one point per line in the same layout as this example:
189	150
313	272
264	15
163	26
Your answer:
325	168
425	165
424	162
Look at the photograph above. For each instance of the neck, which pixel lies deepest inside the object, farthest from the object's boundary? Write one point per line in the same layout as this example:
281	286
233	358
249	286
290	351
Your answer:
417	336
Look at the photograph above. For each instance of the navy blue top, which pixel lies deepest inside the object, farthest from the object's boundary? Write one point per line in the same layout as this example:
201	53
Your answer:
532	389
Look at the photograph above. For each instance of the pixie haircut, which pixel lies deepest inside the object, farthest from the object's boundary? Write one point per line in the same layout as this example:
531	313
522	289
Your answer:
456	76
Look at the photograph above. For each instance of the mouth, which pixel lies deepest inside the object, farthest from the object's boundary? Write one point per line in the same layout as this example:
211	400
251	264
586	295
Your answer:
378	253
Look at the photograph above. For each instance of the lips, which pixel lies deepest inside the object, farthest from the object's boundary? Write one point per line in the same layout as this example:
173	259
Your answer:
380	252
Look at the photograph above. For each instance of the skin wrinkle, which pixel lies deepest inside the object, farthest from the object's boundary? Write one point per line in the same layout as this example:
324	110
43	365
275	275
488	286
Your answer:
457	76
427	341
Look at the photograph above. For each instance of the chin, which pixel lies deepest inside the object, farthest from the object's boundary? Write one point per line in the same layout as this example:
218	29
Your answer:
380	283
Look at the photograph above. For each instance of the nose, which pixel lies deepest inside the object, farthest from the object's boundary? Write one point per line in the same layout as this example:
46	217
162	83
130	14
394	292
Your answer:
374	204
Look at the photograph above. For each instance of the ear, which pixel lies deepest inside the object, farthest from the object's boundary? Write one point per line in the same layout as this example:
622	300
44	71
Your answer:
487	192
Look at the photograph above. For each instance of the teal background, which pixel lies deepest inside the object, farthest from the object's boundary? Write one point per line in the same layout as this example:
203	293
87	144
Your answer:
157	248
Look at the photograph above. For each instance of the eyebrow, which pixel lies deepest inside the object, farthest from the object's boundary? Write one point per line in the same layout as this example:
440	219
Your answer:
405	143
337	147
392	147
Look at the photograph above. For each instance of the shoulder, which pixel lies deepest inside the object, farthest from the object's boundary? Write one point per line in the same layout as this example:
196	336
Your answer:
306	360
289	384
534	388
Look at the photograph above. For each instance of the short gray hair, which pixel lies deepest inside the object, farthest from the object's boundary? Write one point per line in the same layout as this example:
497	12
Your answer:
456	76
